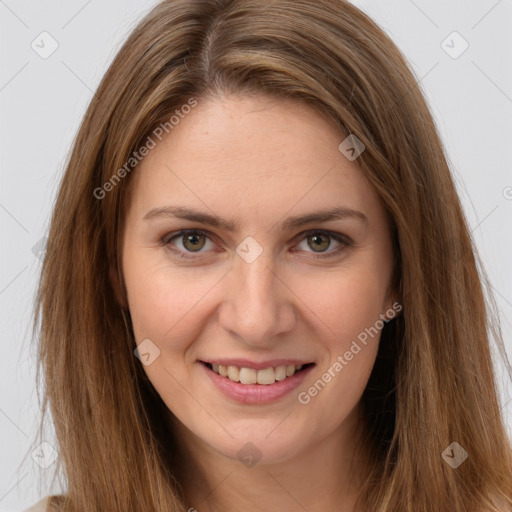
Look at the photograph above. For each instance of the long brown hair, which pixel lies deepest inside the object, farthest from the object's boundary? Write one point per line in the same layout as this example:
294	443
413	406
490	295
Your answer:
433	381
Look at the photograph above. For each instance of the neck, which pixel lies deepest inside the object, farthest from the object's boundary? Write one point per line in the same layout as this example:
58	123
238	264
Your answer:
325	476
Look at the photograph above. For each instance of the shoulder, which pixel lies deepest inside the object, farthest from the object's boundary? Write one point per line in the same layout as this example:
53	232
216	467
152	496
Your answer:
40	506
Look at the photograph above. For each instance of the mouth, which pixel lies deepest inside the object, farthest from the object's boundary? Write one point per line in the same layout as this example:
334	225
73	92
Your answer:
263	376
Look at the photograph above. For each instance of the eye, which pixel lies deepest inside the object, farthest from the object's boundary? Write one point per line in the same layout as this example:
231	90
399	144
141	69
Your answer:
320	241
192	241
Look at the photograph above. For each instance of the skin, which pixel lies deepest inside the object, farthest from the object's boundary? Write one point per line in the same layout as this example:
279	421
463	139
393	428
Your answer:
257	161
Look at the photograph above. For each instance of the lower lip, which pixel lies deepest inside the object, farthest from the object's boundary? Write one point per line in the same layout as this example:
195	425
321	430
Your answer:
256	393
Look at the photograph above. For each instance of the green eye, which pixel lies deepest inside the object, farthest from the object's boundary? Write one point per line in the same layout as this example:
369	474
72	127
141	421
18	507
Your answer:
319	242
194	240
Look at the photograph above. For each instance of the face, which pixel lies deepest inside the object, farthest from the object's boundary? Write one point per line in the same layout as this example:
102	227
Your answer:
232	264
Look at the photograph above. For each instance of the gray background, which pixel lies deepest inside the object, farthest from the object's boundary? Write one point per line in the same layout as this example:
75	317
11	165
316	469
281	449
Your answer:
42	101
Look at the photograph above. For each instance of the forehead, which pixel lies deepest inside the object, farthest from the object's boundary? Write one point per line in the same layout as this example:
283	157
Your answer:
257	155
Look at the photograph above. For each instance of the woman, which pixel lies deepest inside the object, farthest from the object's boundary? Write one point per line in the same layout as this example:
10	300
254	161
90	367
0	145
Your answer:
259	290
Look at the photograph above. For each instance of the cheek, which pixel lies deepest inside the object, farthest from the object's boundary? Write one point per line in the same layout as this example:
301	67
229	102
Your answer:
165	303
346	310
349	309
345	304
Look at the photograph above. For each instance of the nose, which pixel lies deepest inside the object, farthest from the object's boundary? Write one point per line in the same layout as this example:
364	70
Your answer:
257	305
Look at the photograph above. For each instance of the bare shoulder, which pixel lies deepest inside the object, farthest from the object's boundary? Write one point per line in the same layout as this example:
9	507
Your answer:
40	506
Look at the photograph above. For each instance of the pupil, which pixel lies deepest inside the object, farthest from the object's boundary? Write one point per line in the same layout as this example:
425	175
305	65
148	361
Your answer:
317	241
193	240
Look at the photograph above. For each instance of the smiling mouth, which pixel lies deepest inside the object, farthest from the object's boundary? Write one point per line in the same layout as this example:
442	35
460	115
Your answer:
264	377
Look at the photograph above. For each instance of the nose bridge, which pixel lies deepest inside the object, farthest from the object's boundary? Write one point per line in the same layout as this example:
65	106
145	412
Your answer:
256	307
257	282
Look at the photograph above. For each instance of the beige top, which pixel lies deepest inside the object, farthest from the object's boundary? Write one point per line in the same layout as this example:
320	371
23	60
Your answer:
40	506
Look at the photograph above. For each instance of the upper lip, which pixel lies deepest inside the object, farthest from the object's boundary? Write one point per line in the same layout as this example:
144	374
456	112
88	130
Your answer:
256	365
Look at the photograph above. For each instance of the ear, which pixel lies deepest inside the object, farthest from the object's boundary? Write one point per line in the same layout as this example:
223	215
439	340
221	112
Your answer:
119	290
393	304
394	311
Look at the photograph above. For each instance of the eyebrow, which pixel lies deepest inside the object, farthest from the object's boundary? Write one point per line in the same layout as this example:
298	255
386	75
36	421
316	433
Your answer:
181	212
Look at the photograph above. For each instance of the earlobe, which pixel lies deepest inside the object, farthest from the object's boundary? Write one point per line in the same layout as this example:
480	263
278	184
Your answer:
397	308
393	305
394	308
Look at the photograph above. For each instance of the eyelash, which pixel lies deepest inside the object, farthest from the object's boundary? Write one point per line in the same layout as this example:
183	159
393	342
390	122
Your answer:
343	240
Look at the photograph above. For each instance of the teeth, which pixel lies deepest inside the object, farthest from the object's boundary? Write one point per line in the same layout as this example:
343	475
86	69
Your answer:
280	372
266	376
247	375
234	373
251	376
